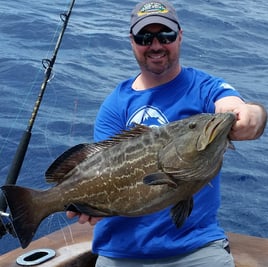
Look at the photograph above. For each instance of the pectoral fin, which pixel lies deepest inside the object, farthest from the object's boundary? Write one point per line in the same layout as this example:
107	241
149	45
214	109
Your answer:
181	211
159	179
85	209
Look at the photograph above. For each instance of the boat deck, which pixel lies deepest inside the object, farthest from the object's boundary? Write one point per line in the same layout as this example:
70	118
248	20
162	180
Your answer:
73	248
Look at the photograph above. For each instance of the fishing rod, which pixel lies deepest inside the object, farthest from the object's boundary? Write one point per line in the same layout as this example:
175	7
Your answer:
5	225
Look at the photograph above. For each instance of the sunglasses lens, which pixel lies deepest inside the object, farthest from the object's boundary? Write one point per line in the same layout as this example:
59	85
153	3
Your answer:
166	37
145	39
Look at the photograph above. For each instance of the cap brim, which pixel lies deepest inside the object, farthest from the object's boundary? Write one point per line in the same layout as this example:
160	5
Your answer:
154	19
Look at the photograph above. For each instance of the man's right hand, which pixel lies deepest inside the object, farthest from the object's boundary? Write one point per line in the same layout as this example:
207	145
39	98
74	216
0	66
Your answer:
83	218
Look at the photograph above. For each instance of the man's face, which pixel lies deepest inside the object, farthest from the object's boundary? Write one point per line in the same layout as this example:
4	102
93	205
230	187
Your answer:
157	58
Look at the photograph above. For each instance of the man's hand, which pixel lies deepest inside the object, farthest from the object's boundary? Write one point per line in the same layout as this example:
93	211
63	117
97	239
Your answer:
251	118
83	218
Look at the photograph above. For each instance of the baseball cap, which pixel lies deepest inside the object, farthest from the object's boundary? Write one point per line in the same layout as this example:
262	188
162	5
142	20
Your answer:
149	11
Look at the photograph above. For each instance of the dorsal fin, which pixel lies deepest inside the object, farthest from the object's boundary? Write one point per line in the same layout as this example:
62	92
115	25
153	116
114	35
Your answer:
136	131
69	159
58	170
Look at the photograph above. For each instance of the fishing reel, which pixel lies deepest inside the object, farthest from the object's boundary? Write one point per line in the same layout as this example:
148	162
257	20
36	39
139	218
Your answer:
6	226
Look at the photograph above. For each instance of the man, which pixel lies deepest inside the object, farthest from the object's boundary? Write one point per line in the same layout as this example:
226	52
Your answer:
165	91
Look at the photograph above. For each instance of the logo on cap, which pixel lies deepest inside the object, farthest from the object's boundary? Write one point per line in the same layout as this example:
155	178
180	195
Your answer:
152	8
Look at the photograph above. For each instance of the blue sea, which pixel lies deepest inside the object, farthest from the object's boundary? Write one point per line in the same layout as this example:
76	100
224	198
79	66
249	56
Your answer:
225	38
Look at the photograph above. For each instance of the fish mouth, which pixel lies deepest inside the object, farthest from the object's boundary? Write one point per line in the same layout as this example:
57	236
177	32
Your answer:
220	125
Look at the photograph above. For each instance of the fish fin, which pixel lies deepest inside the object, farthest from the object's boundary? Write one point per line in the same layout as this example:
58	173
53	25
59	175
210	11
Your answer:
135	131
159	178
211	185
181	211
86	209
58	170
231	145
26	214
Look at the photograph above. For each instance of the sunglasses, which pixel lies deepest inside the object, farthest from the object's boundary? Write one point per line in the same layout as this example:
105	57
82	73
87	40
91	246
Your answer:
147	37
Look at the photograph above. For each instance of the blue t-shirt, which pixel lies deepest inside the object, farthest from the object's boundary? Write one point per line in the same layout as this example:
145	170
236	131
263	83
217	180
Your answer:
155	235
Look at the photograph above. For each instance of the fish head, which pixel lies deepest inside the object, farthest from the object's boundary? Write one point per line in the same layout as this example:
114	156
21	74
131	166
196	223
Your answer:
214	130
197	146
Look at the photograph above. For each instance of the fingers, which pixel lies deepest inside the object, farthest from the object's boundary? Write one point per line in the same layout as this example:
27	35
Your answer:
241	128
71	214
250	124
251	118
83	218
94	220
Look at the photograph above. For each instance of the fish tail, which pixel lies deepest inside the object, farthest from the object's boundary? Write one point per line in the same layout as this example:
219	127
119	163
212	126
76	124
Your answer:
26	210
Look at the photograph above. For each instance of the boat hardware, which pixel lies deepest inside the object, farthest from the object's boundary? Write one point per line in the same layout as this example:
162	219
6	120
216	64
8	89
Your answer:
6	226
35	257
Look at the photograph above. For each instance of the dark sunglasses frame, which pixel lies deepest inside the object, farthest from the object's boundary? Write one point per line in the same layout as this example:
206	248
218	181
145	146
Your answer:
163	37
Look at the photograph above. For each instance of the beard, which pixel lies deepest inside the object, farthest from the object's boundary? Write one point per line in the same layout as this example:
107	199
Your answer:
157	62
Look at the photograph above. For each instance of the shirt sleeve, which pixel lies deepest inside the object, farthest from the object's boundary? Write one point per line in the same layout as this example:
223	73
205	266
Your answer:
219	89
108	121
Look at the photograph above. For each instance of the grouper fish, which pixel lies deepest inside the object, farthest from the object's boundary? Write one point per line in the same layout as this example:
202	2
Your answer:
137	172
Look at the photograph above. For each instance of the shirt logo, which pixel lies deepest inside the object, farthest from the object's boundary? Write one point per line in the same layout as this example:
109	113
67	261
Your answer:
227	86
147	115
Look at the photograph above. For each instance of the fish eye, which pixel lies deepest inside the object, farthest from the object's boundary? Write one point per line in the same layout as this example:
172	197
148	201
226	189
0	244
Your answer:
192	125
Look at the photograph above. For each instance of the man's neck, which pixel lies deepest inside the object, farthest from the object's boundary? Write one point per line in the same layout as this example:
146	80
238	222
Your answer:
149	80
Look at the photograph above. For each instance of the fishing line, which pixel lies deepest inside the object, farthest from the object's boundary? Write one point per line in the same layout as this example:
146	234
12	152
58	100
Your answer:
25	139
42	69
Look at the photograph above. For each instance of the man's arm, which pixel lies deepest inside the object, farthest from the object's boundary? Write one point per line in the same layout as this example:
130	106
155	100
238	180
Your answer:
251	117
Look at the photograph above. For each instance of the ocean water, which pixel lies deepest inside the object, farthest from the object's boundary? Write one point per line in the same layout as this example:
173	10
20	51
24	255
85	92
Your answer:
225	38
